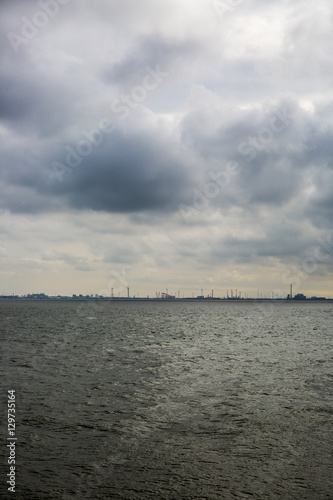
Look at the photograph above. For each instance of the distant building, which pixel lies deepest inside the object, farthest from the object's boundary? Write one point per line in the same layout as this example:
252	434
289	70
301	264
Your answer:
37	296
167	296
299	296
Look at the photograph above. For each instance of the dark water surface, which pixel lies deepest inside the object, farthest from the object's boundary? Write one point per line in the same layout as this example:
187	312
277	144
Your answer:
181	400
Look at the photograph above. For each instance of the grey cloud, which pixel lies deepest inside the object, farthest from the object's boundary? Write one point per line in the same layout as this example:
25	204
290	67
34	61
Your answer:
281	240
34	102
151	50
139	171
274	163
320	206
125	174
77	262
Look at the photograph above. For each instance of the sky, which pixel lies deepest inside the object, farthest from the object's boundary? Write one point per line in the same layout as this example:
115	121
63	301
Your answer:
166	145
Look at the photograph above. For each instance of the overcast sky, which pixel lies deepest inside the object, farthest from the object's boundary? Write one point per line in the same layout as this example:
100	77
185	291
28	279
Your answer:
166	144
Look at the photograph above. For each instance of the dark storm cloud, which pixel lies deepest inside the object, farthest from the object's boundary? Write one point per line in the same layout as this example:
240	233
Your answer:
124	174
45	101
139	170
36	99
129	174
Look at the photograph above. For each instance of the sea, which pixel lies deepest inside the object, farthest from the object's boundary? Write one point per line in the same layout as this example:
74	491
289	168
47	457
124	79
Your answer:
173	400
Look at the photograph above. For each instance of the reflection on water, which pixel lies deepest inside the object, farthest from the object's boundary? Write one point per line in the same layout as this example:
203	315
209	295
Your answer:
171	400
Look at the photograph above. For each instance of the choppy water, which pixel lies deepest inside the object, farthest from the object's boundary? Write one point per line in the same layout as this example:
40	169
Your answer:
145	400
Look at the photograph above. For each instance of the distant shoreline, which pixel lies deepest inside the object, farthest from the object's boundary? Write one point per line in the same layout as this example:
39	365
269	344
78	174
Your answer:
145	299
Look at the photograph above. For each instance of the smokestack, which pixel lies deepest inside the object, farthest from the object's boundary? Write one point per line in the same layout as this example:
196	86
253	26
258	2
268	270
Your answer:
212	294
291	291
